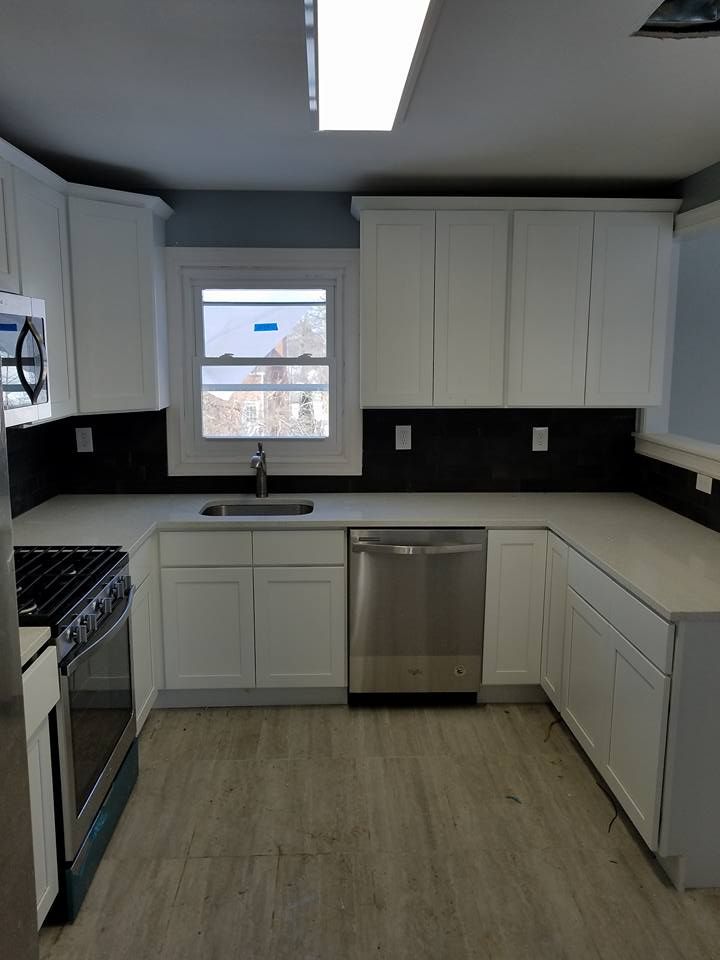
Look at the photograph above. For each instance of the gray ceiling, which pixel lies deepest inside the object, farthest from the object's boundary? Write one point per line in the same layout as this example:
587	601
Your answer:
212	94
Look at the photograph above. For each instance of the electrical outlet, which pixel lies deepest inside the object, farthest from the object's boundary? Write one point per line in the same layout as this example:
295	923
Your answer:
540	439
703	483
403	437
84	439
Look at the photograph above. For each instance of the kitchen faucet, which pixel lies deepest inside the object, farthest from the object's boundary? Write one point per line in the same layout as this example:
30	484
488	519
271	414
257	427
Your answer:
258	463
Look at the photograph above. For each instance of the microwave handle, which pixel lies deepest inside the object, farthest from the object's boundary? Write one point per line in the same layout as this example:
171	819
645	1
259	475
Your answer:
32	391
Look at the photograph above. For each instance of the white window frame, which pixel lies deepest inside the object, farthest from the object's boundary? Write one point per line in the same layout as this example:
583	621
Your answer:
189	269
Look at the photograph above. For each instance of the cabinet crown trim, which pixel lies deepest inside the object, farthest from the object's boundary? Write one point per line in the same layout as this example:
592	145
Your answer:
360	204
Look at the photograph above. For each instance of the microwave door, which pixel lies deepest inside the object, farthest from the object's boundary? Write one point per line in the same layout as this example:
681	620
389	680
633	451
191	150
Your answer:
14	393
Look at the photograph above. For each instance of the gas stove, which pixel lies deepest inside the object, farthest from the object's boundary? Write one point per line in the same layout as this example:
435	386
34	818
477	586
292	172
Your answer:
70	589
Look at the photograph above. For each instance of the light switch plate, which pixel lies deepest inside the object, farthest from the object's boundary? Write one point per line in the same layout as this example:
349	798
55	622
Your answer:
403	437
703	483
540	439
84	439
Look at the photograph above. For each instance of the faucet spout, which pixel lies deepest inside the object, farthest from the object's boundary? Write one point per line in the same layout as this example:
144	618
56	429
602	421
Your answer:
259	464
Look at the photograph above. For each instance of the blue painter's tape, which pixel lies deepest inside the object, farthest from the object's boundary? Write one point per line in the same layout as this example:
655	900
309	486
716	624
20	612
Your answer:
13	327
265	327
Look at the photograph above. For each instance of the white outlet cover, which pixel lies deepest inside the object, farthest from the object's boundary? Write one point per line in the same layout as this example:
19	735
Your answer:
84	439
703	483
540	439
403	437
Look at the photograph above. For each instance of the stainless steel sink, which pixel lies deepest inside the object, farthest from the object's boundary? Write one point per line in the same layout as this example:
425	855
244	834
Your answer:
259	508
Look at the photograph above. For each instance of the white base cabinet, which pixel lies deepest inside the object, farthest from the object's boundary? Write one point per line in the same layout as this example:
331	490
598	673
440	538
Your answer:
145	626
553	643
515	594
300	626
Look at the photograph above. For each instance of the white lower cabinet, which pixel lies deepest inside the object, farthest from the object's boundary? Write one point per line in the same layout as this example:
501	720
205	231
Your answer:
300	626
42	815
553	643
514	606
145	626
208	627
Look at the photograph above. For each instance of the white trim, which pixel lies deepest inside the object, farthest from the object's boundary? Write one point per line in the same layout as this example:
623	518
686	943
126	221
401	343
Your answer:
706	217
360	204
23	162
189	266
694	455
154	204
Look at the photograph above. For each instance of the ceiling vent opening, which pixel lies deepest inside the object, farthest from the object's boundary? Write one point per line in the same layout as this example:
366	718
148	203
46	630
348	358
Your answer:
683	18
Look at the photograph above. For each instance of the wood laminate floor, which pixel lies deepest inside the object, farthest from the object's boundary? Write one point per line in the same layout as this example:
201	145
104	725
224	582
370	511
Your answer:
325	833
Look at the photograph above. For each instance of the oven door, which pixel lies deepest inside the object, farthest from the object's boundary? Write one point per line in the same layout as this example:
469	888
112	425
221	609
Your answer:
96	722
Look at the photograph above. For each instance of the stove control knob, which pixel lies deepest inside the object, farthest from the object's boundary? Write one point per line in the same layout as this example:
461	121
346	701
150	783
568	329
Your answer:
107	605
120	587
82	630
92	620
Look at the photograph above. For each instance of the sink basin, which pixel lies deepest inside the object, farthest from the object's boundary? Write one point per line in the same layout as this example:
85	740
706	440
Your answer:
259	508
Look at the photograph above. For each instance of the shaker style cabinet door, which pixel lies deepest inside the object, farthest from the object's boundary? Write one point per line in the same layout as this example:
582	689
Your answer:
549	303
42	817
208	628
300	626
45	274
145	632
9	273
553	644
471	253
397	304
628	309
515	594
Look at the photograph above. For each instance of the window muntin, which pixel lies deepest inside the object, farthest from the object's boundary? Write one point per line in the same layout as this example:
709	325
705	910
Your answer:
246	387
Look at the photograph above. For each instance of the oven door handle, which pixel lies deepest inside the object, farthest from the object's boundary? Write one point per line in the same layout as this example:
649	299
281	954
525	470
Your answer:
68	667
33	392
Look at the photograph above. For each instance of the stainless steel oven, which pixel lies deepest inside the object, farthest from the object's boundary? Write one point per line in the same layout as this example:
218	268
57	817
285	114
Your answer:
96	715
23	359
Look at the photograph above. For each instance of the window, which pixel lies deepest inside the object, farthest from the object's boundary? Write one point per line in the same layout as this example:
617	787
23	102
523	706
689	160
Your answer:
263	346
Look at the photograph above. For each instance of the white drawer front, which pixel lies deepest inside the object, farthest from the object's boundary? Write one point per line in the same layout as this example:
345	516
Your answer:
652	635
144	561
230	548
41	690
287	548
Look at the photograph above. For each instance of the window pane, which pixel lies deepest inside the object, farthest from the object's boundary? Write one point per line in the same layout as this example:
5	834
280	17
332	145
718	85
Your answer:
265	323
266	401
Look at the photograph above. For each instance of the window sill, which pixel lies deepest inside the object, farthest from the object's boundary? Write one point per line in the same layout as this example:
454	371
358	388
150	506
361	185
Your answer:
694	455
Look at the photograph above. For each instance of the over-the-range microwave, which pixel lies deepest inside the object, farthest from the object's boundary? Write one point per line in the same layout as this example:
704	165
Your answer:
23	359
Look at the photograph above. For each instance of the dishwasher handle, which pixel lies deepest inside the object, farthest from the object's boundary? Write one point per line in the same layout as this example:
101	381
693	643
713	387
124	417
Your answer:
412	550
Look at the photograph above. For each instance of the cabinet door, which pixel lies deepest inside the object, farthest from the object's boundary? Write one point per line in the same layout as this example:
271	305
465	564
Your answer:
514	606
300	627
9	274
588	677
553	643
42	814
208	627
145	627
628	309
471	251
549	304
397	294
45	274
635	762
119	323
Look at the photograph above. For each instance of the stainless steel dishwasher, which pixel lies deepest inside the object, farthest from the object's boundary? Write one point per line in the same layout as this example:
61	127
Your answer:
417	605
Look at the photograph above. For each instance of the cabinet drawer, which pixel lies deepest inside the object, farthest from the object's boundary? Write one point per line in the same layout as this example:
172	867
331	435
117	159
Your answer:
41	690
652	635
287	548
144	561
231	548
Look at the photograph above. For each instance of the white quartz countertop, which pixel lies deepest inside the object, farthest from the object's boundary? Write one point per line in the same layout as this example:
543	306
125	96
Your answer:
31	640
669	562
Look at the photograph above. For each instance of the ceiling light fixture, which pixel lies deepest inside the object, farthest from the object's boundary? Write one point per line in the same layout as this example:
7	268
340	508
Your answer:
363	59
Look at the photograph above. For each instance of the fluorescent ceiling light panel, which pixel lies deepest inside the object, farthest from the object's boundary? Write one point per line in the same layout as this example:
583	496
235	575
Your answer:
365	49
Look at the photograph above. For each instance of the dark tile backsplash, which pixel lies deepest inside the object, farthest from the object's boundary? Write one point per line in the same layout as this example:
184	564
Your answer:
453	450
674	487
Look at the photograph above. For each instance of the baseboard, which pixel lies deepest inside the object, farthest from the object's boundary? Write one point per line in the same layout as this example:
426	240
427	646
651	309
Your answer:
512	693
264	697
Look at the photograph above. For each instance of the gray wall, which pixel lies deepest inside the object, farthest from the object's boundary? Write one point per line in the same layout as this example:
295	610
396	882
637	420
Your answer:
695	385
238	218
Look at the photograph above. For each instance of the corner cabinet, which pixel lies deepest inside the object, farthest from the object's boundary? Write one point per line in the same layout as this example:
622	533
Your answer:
119	302
9	272
146	630
44	254
515	594
397	251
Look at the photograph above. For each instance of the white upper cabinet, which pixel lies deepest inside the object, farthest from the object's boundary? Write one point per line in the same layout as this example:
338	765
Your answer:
119	304
549	302
44	253
471	252
628	309
9	275
397	286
